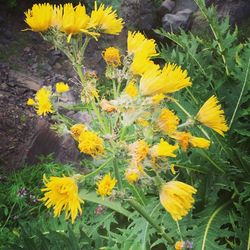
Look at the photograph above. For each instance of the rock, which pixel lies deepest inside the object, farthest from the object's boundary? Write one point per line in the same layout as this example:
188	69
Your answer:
167	6
175	22
238	11
57	66
23	80
185	4
82	117
140	14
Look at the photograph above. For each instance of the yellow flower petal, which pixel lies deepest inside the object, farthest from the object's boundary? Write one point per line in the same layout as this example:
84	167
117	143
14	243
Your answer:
212	116
61	193
176	198
106	185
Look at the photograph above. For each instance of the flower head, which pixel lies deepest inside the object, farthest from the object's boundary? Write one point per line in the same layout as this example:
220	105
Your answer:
152	81
186	139
112	56
62	87
39	17
212	116
76	130
106	185
105	20
168	80
176	78
156	99
74	19
176	198
140	64
138	150
137	43
132	175
57	17
43	101
61	193
179	245
90	143
31	102
163	149
131	89
107	106
168	121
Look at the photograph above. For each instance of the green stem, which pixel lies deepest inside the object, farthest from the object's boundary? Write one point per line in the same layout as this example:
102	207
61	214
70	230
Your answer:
115	94
11	210
248	242
202	8
241	94
150	220
190	93
97	113
181	107
205	155
136	192
117	174
210	222
179	230
83	177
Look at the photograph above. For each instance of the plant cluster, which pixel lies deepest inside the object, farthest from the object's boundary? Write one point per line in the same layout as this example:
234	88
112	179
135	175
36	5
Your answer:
155	145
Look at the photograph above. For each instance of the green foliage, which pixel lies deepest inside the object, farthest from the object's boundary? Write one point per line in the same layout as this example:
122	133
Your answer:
218	64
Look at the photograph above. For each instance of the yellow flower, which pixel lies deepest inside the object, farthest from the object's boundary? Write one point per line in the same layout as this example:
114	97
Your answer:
61	193
131	89
152	81
74	19
112	56
57	17
106	185
212	116
186	138
62	87
107	106
44	104
168	121
39	17
137	43
198	142
168	80
176	78
42	93
90	144
142	122
156	99
172	169
138	150
141	64
76	130
132	175
31	102
179	245
105	20
176	198
163	149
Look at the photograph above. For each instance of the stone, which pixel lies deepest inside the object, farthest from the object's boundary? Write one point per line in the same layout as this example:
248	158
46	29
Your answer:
238	11
185	4
139	14
175	22
23	80
167	6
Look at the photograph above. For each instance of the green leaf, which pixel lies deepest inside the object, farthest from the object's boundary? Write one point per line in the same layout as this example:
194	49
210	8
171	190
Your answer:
114	205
